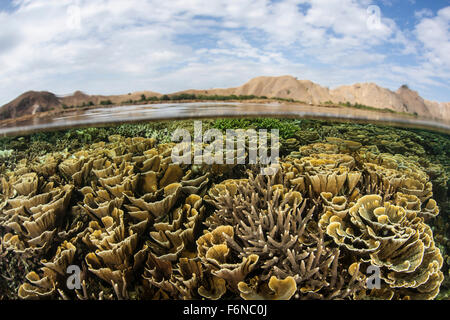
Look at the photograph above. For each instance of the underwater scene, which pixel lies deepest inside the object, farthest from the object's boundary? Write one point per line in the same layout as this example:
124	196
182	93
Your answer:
174	210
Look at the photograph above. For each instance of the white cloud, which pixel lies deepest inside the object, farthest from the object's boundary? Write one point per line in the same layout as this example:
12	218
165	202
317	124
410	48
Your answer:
425	12
166	46
434	33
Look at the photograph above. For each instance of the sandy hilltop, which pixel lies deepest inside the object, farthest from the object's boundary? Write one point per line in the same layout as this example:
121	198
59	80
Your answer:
369	94
285	87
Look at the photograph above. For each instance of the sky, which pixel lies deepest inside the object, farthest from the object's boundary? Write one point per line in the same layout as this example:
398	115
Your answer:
116	47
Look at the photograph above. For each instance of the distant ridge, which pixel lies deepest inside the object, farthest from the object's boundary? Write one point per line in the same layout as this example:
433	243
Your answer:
78	98
369	94
287	87
30	102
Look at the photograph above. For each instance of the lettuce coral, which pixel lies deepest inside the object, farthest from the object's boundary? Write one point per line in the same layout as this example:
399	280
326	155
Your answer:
142	227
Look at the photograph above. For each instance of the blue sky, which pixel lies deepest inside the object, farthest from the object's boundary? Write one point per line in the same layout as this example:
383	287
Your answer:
116	46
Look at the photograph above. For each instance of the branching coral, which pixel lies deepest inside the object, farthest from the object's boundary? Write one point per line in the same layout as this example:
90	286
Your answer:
275	224
143	227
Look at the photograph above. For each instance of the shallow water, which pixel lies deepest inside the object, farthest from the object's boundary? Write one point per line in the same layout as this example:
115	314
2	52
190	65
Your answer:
180	111
110	201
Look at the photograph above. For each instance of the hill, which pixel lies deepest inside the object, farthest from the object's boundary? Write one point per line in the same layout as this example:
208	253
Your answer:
30	102
286	87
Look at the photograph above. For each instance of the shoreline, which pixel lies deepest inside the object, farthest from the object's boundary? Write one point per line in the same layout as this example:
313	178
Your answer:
188	109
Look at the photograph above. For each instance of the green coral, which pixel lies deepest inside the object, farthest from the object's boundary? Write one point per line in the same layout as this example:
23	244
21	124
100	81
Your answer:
6	153
287	128
430	150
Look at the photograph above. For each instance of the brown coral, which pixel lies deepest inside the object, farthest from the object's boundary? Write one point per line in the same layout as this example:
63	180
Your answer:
34	219
274	223
395	239
53	273
135	222
276	289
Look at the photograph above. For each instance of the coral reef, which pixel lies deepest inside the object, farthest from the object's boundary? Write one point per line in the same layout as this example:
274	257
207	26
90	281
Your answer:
6	153
273	222
392	238
139	226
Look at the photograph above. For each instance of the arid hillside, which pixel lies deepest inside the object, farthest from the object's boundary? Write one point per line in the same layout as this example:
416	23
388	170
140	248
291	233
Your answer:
286	87
369	94
79	98
30	102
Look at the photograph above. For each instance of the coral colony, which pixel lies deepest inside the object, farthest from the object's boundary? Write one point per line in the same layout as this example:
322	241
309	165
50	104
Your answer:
119	219
231	150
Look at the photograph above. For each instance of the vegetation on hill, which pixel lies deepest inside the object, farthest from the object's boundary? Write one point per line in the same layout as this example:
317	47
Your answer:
191	97
183	97
365	107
